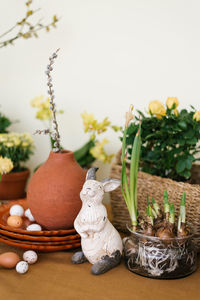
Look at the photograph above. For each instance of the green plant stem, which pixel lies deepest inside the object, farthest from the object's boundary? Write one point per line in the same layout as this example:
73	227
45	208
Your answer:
182	214
129	191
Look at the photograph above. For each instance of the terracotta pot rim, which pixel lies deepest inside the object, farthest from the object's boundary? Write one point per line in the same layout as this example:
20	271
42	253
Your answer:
60	155
16	176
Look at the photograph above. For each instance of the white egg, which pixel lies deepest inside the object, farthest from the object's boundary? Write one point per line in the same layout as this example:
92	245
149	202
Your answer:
29	215
30	257
16	210
22	267
34	227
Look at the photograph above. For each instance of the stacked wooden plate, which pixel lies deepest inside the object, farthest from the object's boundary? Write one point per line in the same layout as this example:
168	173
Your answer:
44	241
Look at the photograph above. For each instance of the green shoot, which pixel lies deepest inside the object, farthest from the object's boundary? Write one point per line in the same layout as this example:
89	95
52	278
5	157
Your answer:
166	203
171	214
129	190
155	206
182	213
150	215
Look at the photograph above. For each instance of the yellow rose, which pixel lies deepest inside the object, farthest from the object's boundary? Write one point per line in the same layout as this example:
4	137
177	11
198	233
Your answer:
172	101
197	116
6	165
157	108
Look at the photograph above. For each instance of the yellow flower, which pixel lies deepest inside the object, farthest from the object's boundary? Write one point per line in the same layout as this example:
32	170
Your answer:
16	140
9	144
37	101
102	127
6	165
42	104
172	101
115	128
156	108
98	152
197	116
89	122
24	144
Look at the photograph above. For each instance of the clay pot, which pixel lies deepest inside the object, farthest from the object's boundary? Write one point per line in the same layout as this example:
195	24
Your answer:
53	191
12	185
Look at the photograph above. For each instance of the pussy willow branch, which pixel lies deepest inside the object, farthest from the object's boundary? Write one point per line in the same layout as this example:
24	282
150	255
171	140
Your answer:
55	133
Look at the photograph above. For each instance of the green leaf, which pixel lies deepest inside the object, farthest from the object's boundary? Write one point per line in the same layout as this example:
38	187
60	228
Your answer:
189	134
192	141
182	124
181	142
188	164
181	165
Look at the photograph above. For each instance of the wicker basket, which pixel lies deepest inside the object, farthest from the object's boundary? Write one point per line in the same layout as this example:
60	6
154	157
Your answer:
154	186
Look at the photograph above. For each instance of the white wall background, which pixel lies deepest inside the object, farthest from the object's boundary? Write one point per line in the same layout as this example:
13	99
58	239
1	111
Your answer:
113	53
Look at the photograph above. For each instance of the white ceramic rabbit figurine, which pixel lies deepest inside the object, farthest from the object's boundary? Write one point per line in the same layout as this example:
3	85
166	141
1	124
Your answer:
100	241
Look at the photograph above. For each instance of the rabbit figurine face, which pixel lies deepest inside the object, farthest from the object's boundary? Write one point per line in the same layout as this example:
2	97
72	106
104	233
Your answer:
101	243
92	191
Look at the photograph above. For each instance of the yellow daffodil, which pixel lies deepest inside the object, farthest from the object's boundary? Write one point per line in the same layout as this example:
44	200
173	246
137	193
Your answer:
197	116
6	165
99	153
157	108
172	101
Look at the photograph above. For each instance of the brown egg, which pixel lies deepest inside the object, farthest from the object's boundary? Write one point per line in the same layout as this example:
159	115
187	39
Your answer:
9	260
14	221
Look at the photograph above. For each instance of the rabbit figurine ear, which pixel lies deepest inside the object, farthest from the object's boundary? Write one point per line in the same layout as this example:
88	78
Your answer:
110	185
91	174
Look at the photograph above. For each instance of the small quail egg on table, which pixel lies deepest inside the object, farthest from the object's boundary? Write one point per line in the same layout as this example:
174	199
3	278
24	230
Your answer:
14	221
29	215
22	267
30	257
34	227
16	210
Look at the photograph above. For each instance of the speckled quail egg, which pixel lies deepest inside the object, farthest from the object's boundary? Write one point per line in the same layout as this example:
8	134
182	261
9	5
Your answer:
22	267
29	215
16	210
30	257
34	227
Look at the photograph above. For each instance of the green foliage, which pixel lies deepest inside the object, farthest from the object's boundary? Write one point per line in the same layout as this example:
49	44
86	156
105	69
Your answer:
4	123
169	144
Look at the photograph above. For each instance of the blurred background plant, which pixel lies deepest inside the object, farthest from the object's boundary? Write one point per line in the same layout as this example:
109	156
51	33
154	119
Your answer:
4	123
17	147
94	148
26	28
169	139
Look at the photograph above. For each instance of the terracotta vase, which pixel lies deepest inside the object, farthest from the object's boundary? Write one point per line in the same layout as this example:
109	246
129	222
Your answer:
12	185
53	191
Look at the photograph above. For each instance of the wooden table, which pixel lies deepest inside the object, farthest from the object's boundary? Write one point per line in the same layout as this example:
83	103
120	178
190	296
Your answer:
54	277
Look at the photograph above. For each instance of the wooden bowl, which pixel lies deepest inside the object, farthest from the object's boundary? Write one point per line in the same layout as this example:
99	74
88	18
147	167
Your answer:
4	213
40	248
